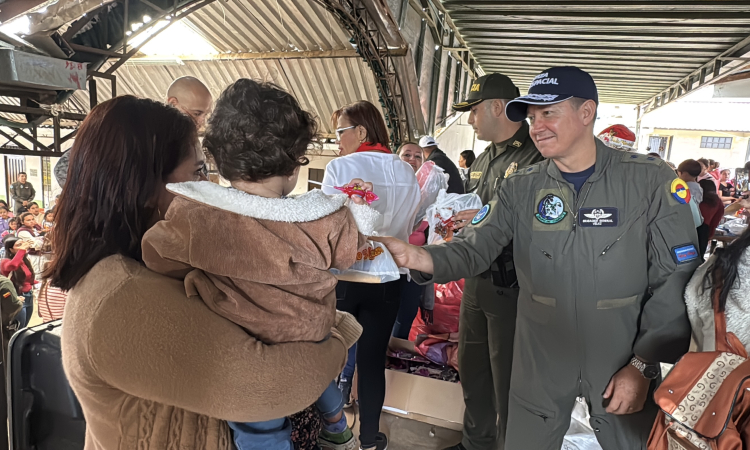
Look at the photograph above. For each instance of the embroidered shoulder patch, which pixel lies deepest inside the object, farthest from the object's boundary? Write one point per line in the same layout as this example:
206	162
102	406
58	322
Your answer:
643	159
680	191
684	253
481	215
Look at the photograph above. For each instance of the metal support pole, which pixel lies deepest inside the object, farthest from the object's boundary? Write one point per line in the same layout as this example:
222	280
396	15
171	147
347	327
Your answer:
56	132
93	94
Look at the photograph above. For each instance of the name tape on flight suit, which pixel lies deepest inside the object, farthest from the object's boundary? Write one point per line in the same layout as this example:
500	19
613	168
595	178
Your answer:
598	217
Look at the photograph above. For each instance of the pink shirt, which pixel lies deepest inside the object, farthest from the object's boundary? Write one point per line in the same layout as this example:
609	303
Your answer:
418	237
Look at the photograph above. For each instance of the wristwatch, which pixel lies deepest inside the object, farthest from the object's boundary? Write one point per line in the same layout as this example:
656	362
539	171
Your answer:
649	371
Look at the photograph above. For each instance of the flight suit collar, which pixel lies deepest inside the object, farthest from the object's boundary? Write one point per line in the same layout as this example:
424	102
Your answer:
603	158
516	141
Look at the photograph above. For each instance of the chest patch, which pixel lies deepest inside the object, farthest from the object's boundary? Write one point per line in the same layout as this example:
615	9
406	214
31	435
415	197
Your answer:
475	175
598	217
684	253
550	209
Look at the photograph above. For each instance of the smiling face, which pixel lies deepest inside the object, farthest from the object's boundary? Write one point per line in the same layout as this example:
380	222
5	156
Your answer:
555	128
412	153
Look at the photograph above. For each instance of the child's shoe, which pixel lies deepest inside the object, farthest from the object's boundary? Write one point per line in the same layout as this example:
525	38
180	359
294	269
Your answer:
337	441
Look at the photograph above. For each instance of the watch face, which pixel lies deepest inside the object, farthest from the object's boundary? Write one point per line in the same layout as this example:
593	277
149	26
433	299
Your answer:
651	372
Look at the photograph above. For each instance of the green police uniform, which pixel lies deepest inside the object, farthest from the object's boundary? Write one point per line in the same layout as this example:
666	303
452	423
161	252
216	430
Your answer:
601	275
488	308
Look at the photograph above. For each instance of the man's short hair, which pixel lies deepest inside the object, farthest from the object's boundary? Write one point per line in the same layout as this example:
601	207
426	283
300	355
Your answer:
33	204
21	173
577	102
3	208
690	167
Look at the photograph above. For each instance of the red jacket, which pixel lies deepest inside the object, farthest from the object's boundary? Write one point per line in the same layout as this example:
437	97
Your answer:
8	266
711	216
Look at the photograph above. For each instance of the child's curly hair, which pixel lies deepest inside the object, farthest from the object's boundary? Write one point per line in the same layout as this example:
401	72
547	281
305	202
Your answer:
258	131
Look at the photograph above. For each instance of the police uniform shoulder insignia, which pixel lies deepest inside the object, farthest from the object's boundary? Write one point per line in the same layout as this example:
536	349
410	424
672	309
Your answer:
680	191
517	144
525	171
481	215
638	158
511	168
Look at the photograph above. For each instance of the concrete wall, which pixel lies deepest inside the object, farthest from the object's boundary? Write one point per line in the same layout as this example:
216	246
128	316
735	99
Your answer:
686	144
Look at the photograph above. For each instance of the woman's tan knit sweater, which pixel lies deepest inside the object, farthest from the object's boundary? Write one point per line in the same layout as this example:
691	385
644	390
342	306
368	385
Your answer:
154	369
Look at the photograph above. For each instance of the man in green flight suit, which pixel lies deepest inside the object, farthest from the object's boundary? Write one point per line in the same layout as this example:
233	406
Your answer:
488	308
604	245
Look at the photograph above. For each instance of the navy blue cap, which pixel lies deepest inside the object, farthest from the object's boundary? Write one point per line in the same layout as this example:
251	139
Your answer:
554	85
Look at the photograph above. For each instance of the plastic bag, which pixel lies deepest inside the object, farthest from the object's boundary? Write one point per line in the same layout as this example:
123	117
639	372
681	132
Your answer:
431	179
445	314
580	435
374	265
440	214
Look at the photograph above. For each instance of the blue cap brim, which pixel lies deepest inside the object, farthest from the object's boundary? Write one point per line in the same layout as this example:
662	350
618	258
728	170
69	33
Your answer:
515	110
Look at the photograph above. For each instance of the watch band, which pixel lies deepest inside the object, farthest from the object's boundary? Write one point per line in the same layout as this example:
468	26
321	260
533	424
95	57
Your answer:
643	368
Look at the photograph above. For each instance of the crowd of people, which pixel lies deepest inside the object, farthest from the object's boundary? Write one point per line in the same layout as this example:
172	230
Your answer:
239	336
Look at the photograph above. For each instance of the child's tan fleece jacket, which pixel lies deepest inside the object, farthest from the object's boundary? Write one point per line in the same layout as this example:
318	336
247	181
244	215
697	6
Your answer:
260	262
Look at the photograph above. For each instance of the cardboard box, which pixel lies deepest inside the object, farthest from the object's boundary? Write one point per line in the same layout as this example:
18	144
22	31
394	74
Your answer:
427	400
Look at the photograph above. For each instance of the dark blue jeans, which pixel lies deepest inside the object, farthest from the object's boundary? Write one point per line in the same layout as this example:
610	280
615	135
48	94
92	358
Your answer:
24	315
276	434
411	296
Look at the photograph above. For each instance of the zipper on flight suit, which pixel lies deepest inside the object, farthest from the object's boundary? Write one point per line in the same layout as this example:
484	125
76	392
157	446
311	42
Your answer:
606	249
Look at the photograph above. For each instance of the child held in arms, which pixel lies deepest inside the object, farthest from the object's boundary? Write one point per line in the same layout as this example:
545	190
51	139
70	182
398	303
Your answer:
263	258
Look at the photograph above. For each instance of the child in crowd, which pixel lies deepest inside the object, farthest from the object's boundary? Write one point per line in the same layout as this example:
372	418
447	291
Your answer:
264	258
12	228
49	221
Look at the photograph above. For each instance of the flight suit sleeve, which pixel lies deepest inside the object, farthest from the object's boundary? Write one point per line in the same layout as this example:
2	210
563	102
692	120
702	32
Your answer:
474	249
14	193
32	194
664	334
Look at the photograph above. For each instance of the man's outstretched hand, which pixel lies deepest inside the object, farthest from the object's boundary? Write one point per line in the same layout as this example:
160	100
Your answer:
407	255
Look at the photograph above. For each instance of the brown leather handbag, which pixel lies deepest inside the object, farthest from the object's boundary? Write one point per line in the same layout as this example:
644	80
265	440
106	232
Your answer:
705	399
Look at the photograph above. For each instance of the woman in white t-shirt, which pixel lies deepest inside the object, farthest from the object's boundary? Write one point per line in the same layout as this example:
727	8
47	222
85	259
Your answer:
365	153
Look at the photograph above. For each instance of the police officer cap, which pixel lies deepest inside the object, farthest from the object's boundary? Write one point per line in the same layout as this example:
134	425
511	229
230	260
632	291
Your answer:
488	87
552	86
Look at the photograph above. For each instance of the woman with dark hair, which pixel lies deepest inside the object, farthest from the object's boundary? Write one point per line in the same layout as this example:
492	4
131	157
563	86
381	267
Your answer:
152	366
16	266
712	210
365	154
727	272
726	188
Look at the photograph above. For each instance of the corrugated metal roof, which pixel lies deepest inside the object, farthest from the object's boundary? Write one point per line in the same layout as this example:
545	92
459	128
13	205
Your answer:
269	26
321	85
634	49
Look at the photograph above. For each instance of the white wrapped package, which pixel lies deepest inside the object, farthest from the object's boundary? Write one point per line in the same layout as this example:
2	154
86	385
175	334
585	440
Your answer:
431	179
440	215
374	265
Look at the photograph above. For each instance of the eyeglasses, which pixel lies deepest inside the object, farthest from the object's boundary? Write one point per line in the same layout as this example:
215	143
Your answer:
340	131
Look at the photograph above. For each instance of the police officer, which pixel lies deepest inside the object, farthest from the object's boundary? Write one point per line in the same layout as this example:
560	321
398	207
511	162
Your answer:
22	193
604	245
488	308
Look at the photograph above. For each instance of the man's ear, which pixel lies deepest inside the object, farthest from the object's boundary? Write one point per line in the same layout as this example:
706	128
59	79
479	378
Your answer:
587	112
498	108
172	101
